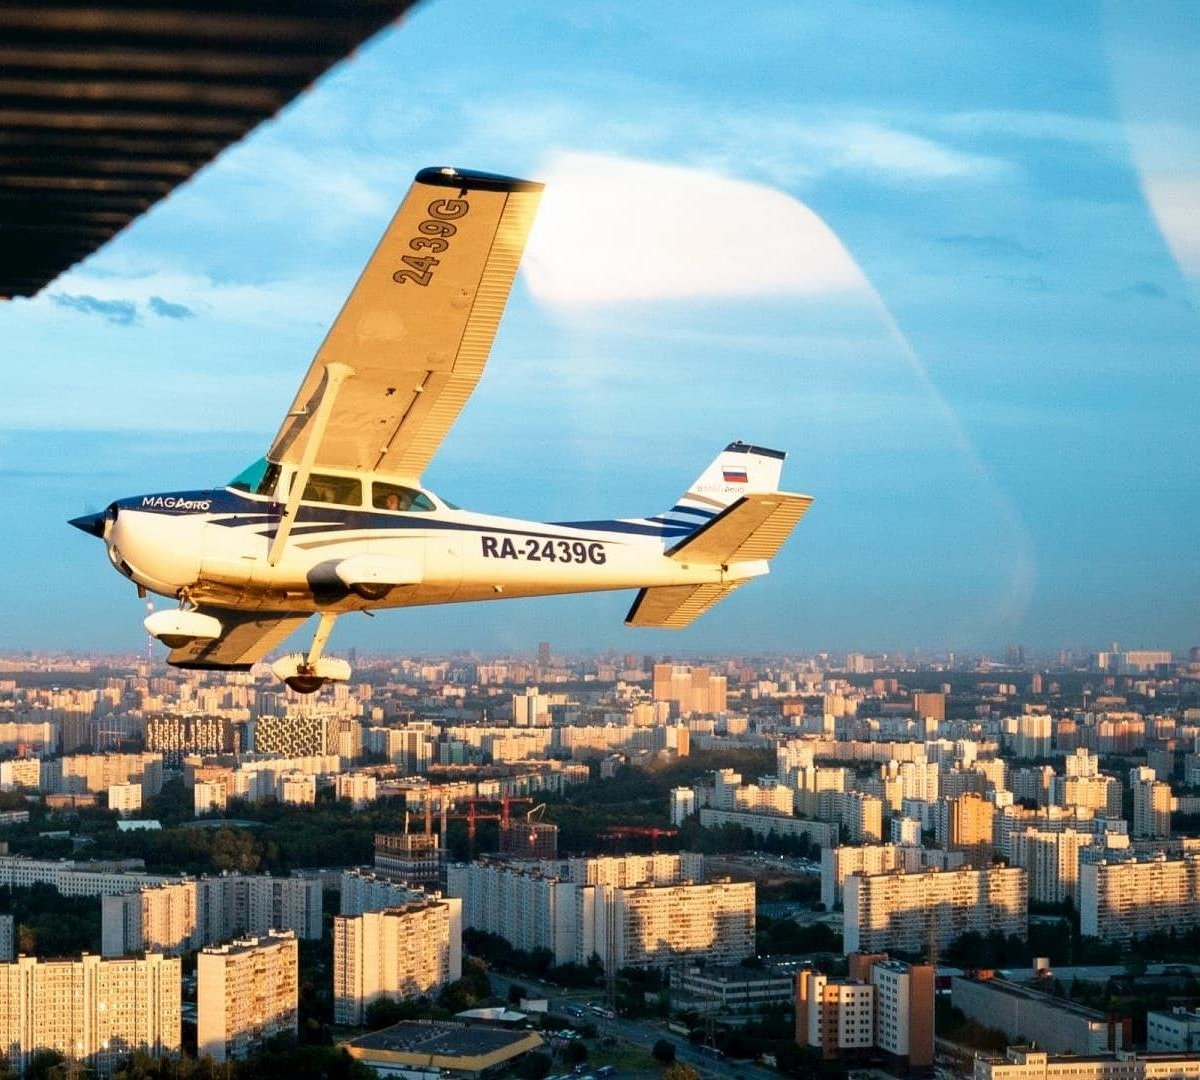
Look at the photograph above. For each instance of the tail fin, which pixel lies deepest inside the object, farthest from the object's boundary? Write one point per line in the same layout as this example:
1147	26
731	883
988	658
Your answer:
737	470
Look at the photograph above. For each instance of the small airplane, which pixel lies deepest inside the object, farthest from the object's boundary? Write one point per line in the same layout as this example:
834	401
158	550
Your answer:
335	519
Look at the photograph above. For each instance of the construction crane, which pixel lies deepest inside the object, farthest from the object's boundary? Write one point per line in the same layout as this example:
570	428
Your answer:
473	814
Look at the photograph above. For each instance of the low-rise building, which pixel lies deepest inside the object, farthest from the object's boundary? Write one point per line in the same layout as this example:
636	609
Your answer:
1052	1023
437	1049
1173	1031
1027	1063
730	988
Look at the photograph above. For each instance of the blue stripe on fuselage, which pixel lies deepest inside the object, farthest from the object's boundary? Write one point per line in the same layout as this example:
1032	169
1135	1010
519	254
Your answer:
234	509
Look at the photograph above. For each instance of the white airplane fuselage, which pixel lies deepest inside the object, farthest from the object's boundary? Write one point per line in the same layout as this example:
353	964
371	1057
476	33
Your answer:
213	547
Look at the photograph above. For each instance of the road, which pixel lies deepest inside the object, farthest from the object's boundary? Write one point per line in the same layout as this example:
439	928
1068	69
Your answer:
641	1033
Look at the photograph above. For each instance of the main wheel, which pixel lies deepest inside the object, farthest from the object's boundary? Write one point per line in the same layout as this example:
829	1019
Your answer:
305	684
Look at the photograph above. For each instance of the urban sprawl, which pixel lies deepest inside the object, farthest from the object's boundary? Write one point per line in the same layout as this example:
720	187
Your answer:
467	867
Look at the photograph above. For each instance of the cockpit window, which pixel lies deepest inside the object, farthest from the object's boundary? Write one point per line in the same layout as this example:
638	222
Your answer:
395	497
344	490
258	479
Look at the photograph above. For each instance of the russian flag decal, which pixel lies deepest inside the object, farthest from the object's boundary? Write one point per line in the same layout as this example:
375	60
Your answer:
734	476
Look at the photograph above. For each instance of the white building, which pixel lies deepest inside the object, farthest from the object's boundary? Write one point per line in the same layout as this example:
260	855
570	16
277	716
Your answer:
1174	1031
363	890
186	914
208	797
247	991
1026	1063
402	952
359	788
125	799
683	804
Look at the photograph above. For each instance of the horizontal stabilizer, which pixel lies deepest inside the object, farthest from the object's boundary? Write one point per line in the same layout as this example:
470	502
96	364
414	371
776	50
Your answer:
672	607
246	637
754	527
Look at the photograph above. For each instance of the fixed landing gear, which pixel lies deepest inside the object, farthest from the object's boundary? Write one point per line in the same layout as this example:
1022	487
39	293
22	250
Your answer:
307	674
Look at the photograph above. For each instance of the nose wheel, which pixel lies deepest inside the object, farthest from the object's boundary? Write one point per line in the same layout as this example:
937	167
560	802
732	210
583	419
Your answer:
307	674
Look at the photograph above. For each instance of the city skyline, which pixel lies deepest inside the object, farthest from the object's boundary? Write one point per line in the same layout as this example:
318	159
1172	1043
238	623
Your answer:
980	363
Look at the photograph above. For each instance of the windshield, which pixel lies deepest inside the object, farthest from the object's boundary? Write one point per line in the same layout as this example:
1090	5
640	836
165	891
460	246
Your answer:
258	479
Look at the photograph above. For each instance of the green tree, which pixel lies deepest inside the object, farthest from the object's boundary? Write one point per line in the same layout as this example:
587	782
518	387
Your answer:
663	1052
236	849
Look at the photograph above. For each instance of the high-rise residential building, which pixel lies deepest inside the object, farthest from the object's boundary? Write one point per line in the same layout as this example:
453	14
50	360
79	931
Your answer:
360	788
969	828
306	731
929	711
401	952
907	912
92	1011
6	938
209	796
683	804
690	689
1051	860
97	772
904	996
658	925
1129	898
1152	804
362	890
531	708
836	1016
184	915
838	863
1032	736
862	817
175	736
125	799
248	990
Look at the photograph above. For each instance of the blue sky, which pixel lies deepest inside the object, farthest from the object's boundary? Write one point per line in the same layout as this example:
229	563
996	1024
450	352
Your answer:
945	255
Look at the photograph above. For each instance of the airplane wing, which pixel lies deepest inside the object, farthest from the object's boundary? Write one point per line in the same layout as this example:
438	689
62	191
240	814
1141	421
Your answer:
246	637
417	328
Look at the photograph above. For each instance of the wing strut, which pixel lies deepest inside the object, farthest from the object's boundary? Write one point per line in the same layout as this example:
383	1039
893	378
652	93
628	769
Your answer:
335	375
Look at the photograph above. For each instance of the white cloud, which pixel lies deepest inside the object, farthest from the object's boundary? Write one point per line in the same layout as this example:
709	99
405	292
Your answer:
615	230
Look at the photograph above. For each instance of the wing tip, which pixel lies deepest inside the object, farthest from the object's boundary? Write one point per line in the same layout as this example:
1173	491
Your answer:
474	180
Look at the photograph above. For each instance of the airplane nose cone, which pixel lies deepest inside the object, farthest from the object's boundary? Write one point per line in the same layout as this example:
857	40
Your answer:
92	524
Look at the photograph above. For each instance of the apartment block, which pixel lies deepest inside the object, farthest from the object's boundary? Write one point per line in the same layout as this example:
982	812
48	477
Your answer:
401	952
7	939
903	912
1051	860
530	910
92	1011
209	796
1119	900
362	890
837	1016
184	915
658	925
247	991
360	788
125	799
